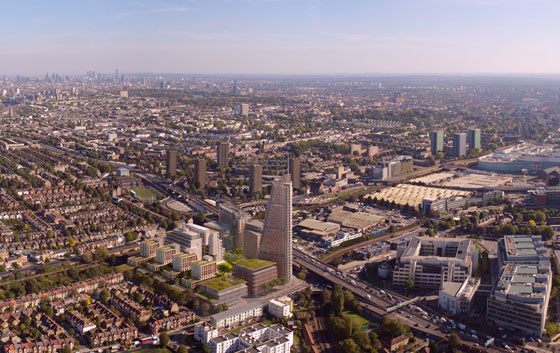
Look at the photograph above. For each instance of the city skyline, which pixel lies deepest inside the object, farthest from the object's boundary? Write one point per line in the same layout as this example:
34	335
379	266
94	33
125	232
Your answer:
282	37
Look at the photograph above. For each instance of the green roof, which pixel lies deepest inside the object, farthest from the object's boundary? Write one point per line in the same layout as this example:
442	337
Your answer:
253	264
221	283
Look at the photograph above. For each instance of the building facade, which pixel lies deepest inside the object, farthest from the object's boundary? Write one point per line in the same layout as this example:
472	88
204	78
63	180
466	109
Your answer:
276	240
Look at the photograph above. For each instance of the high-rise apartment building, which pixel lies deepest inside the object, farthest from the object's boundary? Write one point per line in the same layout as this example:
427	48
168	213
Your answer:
436	142
234	218
474	139
223	154
255	178
242	109
459	145
200	172
294	168
171	166
148	248
276	242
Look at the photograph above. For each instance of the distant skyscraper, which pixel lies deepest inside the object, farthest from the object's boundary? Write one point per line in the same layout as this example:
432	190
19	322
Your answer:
294	168
171	167
242	109
223	154
200	172
436	142
255	178
276	241
117	75
459	144
474	139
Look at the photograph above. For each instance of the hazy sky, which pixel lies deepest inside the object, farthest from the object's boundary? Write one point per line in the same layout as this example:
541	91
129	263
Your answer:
280	36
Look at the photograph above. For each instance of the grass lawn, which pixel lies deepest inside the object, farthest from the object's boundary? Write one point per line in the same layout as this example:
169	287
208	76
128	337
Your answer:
362	322
144	194
253	264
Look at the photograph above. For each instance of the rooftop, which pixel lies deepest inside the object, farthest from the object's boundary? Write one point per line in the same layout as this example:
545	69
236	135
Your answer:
221	283
253	264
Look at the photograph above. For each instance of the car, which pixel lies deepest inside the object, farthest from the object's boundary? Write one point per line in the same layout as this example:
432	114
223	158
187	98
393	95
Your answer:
416	325
515	348
191	329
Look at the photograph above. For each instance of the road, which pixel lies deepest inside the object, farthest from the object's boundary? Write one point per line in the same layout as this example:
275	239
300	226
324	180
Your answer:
396	234
377	304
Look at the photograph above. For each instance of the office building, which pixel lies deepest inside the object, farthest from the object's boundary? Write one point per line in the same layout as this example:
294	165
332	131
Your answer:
255	179
276	240
200	172
522	249
256	273
430	262
474	139
235	219
224	290
457	298
182	262
171	166
252	242
242	109
436	142
519	301
164	254
148	248
188	241
223	154
294	168
459	145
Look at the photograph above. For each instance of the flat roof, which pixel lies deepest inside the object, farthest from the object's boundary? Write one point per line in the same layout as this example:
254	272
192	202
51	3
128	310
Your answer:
221	283
236	310
254	264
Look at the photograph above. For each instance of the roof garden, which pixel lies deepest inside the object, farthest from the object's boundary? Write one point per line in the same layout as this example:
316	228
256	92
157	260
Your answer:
221	283
253	264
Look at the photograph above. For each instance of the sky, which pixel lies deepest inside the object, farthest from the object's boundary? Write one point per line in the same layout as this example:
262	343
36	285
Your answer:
280	36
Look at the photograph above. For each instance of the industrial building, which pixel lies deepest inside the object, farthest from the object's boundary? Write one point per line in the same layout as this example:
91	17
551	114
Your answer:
413	195
523	158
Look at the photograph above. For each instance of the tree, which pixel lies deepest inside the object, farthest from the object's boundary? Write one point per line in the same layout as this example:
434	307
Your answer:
183	349
199	218
301	275
454	340
163	339
349	346
206	349
409	286
392	328
104	296
337	300
71	242
225	267
551	328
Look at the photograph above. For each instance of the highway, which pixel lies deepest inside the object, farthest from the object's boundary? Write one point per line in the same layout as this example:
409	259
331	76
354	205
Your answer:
377	304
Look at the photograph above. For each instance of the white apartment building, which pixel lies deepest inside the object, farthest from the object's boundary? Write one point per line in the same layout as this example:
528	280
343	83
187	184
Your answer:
237	315
205	332
279	309
257	338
